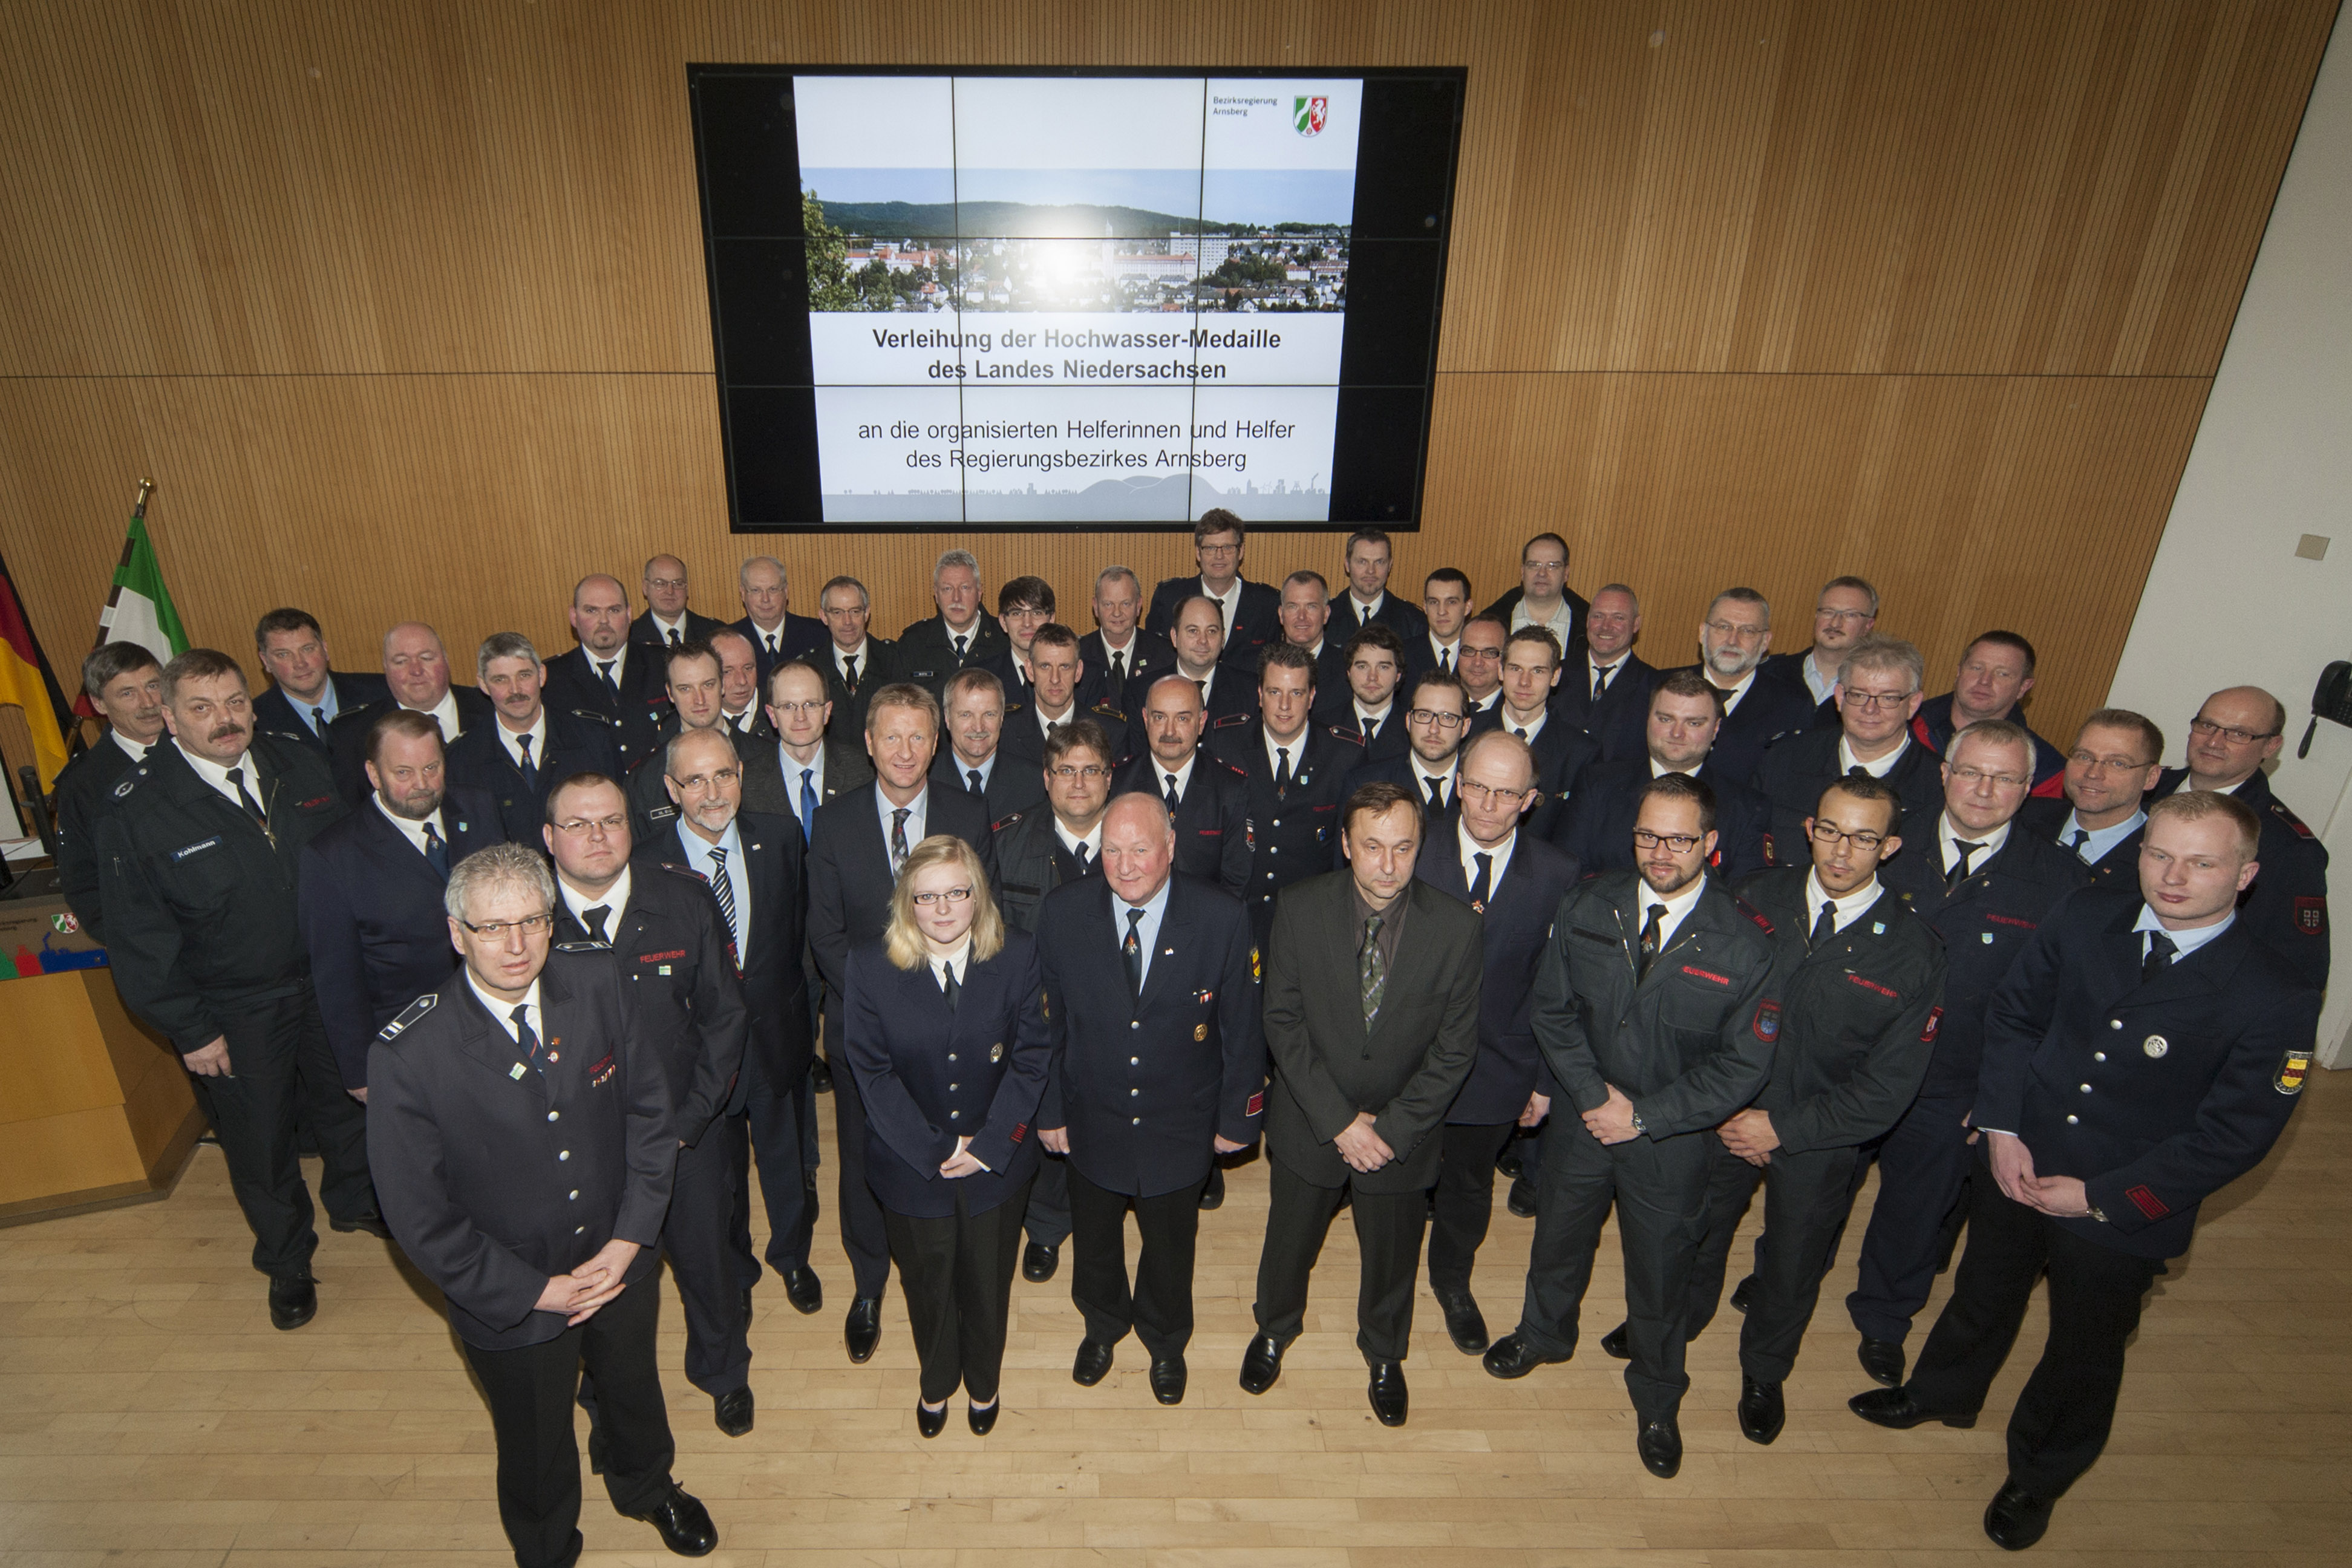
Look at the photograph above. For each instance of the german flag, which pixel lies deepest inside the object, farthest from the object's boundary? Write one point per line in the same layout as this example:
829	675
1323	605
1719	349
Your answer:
25	683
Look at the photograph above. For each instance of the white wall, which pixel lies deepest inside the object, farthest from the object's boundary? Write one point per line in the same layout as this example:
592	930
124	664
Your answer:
2227	600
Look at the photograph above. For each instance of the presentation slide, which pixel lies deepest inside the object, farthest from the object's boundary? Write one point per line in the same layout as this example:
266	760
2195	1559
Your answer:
1058	300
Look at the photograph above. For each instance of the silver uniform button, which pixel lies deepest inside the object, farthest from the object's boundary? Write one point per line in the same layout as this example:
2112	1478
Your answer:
576	1195
566	1154
2072	1121
950	1056
1137	1023
2087	1088
2156	1046
579	1230
1133	1092
1135	1061
2114	1022
554	1115
952	1088
955	1116
1135	1122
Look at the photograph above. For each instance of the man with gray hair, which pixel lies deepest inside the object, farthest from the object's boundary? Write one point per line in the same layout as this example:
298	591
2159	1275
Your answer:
416	671
1876	697
125	684
528	1147
777	636
940	647
1734	636
1119	654
531	746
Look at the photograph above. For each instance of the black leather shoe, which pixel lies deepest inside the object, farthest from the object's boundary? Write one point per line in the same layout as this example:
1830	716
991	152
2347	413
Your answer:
1743	1293
1882	1359
2015	1519
1388	1392
821	1075
1661	1448
1465	1325
1261	1363
1168	1379
864	1329
982	1418
1762	1412
1038	1262
1508	1161
1092	1362
1214	1195
1521	1199
684	1523
292	1302
1512	1356
1614	1343
732	1411
1894	1407
366	1224
931	1423
804	1290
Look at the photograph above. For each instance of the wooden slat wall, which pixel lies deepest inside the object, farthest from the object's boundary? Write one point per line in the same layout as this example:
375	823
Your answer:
402	305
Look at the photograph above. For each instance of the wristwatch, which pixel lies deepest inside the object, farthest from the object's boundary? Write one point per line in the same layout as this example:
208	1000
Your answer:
1637	1123
2095	1211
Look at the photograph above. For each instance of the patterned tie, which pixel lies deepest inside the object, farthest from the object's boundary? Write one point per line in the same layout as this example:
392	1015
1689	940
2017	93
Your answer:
437	853
1825	927
1281	772
1654	932
2161	951
605	673
595	919
1960	871
1481	886
2082	836
1133	951
1372	972
898	838
529	768
1601	680
526	1037
722	888
808	803
1171	792
245	798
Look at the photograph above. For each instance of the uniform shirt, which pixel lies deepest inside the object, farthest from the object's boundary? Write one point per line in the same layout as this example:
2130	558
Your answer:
1561	621
1092	843
613	900
669	631
1371	719
2184	943
1229	603
967	636
1732	694
1530	730
768	640
1947	841
1445	655
133	748
2102	839
1485	704
960	961
216	775
537	735
1208	682
1659	770
918	811
503	1011
445	712
1593	668
1160	772
1848	762
1295	746
1499	856
739	880
1849	908
1046	727
862	653
327	707
414	831
964	769
1422	779
1146	931
1814	682
1364	612
1678	907
737	726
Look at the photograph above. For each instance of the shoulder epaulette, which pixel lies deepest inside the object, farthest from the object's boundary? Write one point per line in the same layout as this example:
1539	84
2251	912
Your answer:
1338	733
1013	707
1007	822
2290	818
675	869
584	944
1752	912
1107	712
593	716
1238	771
1229	720
409	1014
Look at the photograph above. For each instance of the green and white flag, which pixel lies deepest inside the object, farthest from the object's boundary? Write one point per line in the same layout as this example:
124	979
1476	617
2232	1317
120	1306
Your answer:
140	609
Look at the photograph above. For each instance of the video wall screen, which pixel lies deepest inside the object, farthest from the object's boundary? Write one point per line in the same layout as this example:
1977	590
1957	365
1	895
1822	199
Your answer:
1019	299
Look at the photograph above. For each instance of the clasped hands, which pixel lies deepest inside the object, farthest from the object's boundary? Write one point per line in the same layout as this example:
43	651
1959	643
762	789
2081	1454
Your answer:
2061	1197
579	1294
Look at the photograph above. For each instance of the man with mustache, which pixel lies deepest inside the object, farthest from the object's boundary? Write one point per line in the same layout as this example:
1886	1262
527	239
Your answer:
198	852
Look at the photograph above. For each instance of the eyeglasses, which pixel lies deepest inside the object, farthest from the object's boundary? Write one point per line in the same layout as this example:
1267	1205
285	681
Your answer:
950	896
721	775
665	582
1432	716
1069	774
812	707
1842	615
1680	843
1733	630
1471	650
1974	775
1503	797
1830	832
1218	549
1875	699
2207	727
496	930
2091	764
600	826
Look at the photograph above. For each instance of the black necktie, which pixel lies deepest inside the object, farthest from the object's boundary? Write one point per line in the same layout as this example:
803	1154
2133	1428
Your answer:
245	798
1445	660
2161	951
437	853
1437	793
898	836
961	643
1171	792
2082	836
1520	731
1825	927
947	984
1960	871
525	1036
849	674
529	768
1857	772
605	673
1281	772
595	919
1483	884
1601	680
979	785
673	637
772	645
1652	938
1118	670
1133	951
1081	853
318	721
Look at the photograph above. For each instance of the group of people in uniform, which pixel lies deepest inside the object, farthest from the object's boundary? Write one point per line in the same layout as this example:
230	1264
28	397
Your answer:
1399	893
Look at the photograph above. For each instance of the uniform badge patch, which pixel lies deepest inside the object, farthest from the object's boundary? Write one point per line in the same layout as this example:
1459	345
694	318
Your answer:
1254	975
199	847
1256	1104
1767	1022
1935	1021
2155	1047
1020	1131
2311	916
2145	1200
1200	1031
125	787
515	1071
2291	1072
1769	858
409	1014
996	1052
602	1073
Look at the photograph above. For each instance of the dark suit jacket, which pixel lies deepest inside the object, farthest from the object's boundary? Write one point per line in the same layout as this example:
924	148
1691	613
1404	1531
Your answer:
1406	1069
274	713
1598	827
2287	905
669	945
1690	1043
799	634
1577	605
1799	767
1769	710
1932	727
84	787
1018	692
347	736
1030	864
1618	723
1404	771
1211	816
373	920
698	629
1295	834
2192	1075
1517	918
1388	740
1144	1084
1256	618
575	743
2118	868
877	669
1562	754
1148	657
1983	923
1023	743
850	881
777	1045
1231	695
1014	784
929	1075
495	1177
637	716
1405	620
927	654
766	789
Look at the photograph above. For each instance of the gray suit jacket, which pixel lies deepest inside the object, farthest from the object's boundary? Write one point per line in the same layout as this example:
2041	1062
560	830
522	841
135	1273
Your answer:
1406	1069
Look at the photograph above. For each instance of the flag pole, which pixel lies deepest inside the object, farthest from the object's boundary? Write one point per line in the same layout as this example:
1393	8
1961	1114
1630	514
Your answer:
130	542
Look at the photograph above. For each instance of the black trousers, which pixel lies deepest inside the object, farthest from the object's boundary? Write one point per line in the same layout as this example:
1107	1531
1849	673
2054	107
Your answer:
956	1272
696	1238
278	1055
1388	1235
1730	1184
1465	1200
1923	1162
530	1391
1048	1221
776	1132
863	1235
1159	1307
2096	1294
1806	1200
1659	1188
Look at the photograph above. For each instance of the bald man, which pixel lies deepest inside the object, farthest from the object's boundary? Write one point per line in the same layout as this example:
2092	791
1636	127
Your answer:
666	621
606	675
416	670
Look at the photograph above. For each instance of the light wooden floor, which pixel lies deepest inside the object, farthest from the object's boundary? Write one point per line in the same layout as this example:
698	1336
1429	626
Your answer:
149	1416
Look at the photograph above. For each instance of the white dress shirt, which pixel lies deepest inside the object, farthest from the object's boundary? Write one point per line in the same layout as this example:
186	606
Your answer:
1422	779
738	878
917	812
960	961
1445	655
614	899
1948	840
133	748
1534	726
1146	935
512	739
663	629
1561	621
215	775
1091	842
1295	746
1850	908
503	1011
862	653
1371	719
1848	762
414	831
1732	694
1499	856
1364	612
1160	776
445	712
1229	602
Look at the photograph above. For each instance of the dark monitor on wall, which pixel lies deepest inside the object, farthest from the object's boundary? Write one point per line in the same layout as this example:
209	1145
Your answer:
1038	299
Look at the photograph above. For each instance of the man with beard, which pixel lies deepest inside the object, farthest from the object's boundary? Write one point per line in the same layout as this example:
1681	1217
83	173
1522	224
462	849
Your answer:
1732	639
1845	613
516	760
198	851
416	670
